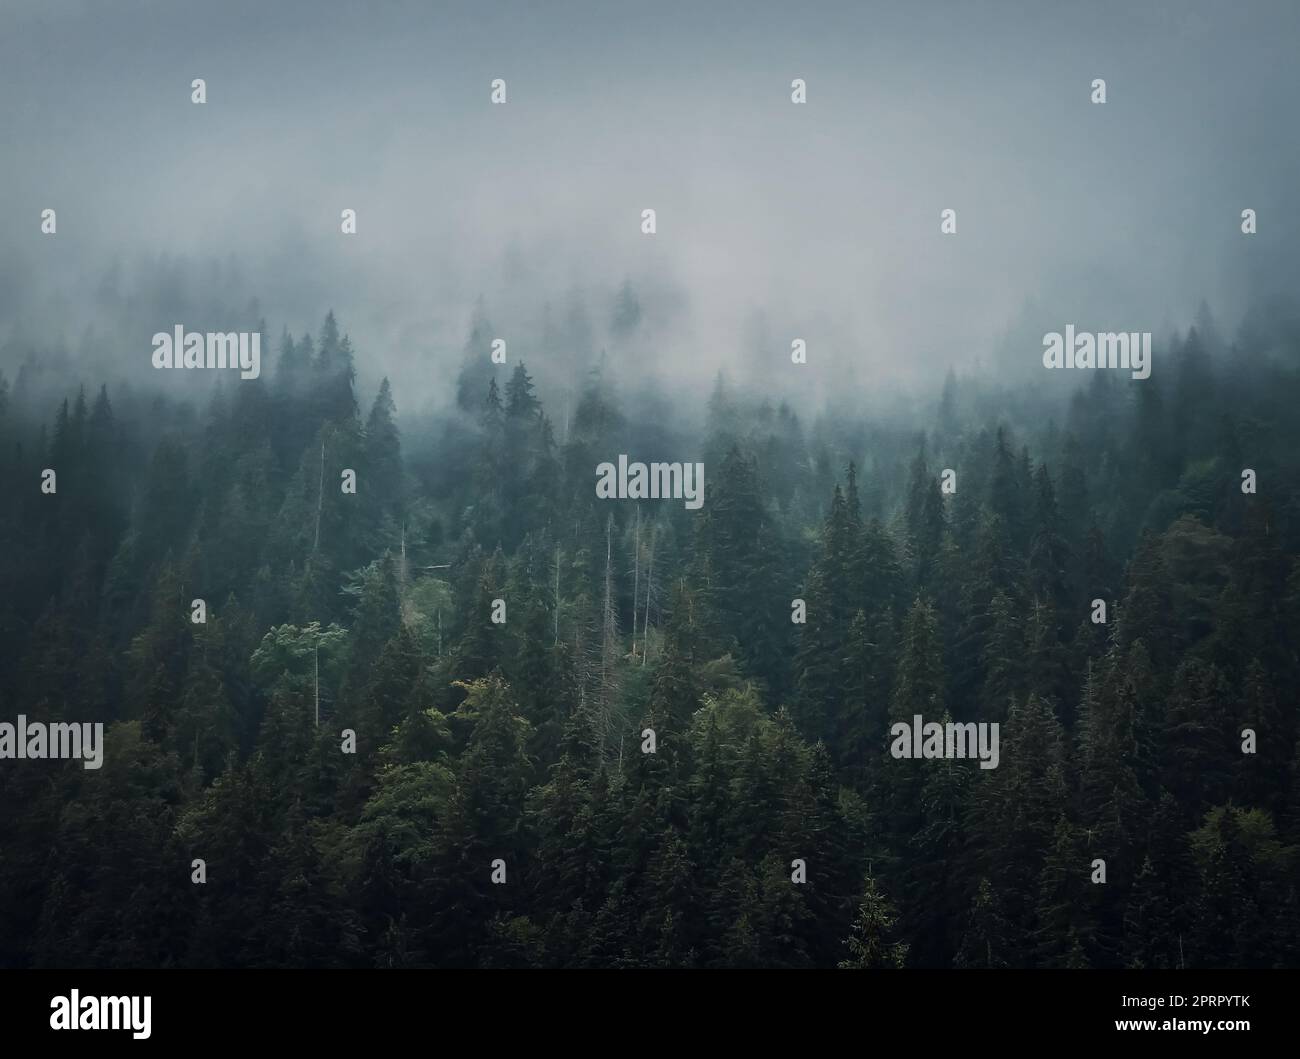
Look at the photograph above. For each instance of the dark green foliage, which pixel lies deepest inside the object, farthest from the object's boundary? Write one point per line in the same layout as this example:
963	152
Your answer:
771	826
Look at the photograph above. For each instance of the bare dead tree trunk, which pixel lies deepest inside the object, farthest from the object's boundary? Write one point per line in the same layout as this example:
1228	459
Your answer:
649	593
320	496
317	668
608	637
401	566
557	593
636	575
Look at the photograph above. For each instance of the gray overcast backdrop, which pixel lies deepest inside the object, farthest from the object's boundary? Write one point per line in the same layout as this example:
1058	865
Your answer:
775	221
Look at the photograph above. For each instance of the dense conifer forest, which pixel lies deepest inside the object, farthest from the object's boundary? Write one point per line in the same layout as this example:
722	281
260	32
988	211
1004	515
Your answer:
499	808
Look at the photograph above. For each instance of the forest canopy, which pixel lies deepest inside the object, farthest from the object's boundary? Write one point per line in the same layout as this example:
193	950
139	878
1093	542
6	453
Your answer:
498	640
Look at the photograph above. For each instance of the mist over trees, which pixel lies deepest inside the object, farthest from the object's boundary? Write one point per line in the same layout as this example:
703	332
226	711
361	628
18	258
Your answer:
522	741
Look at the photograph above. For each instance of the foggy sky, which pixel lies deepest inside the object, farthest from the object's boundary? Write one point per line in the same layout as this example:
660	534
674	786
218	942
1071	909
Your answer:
775	221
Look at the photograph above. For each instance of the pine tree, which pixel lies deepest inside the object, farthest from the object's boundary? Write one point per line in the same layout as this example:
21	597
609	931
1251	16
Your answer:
1198	743
919	689
986	942
1017	807
871	942
485	821
933	897
383	454
1065	925
1148	928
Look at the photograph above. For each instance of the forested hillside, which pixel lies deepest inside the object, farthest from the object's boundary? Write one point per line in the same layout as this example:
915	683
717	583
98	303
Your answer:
521	741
